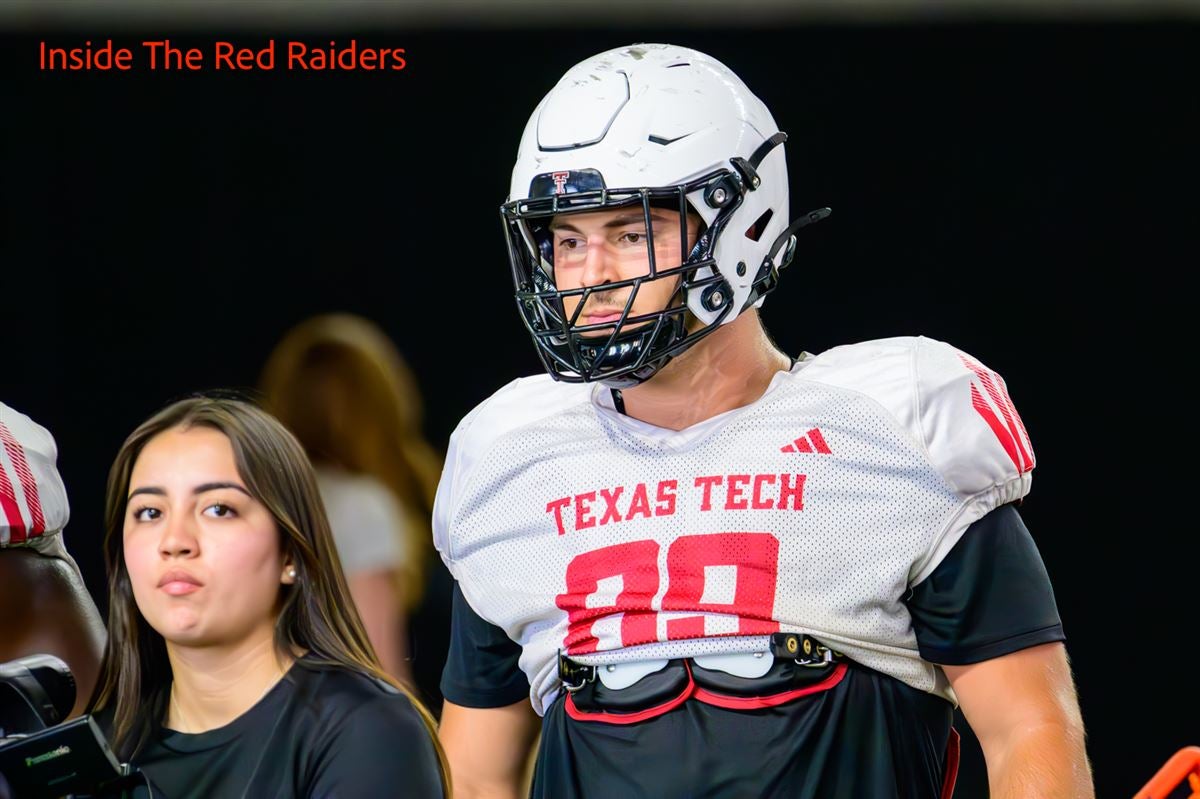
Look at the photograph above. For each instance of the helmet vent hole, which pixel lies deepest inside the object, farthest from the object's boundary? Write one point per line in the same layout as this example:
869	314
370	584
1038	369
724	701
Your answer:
680	64
665	141
755	231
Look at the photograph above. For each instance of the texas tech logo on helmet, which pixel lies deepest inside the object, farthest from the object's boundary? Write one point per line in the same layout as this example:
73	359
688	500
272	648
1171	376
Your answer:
573	181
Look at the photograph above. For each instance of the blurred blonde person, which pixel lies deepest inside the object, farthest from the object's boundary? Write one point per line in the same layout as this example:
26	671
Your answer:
339	383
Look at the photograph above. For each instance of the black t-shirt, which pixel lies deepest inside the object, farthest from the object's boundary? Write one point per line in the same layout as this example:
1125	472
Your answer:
870	735
319	732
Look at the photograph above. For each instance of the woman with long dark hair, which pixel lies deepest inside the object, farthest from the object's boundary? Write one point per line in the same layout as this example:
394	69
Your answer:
236	664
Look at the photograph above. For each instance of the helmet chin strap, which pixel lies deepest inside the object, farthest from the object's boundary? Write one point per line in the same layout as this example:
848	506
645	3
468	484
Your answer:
748	167
638	341
618	400
768	272
791	230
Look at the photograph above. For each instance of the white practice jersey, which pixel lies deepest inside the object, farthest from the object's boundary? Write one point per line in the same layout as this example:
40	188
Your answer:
33	501
814	509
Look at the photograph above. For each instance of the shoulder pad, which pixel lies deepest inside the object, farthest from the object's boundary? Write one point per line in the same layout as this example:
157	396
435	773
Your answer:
522	402
33	500
955	408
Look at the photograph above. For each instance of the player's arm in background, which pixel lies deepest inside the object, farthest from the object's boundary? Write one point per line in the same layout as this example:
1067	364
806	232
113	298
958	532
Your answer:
987	615
48	610
1023	708
487	725
488	749
982	605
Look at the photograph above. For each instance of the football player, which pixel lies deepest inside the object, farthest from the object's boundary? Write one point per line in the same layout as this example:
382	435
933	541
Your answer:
711	568
47	607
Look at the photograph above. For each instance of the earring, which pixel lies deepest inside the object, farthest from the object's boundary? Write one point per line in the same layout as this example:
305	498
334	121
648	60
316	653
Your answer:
291	572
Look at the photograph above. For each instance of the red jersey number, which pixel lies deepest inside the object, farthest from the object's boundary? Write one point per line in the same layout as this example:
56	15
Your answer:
749	560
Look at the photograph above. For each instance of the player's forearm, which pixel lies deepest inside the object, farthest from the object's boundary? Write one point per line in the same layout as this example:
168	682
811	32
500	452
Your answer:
487	749
1044	760
474	780
479	771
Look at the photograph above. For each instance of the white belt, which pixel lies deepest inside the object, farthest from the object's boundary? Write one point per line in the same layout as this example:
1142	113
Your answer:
616	676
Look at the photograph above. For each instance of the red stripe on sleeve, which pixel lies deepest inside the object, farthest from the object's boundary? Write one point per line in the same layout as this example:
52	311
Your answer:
980	405
1024	434
16	454
9	510
1007	410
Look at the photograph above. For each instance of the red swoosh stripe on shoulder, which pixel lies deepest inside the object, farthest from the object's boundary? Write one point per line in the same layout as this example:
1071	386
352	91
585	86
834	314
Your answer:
9	510
16	454
1024	435
1023	460
989	416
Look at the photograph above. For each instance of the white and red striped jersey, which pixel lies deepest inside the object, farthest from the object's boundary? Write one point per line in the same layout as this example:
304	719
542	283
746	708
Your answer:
813	509
33	501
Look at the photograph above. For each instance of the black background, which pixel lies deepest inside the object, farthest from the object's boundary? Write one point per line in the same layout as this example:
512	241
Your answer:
1021	190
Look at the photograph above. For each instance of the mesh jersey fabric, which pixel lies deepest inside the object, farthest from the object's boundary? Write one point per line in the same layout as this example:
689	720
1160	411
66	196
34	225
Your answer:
867	735
33	500
990	596
813	509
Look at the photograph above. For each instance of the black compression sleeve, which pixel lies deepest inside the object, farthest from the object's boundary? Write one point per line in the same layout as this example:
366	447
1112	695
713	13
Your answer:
481	666
989	597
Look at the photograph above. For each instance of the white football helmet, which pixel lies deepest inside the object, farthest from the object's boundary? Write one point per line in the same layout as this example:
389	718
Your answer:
649	124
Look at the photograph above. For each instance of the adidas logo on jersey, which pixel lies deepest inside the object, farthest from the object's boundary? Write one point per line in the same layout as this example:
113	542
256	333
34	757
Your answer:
812	441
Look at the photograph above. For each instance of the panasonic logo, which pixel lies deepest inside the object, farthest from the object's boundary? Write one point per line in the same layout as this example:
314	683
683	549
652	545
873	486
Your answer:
59	752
